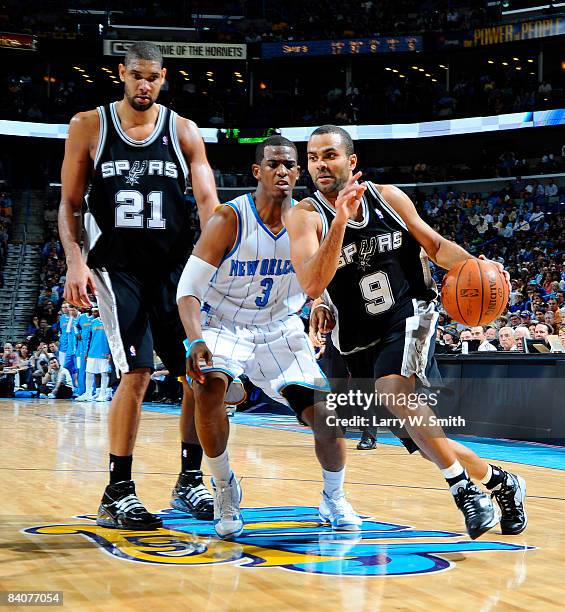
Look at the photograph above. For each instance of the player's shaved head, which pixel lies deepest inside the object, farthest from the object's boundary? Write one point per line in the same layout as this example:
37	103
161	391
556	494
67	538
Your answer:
143	50
273	141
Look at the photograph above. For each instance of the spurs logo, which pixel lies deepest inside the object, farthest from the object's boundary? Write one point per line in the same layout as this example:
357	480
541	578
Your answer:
366	252
137	170
290	537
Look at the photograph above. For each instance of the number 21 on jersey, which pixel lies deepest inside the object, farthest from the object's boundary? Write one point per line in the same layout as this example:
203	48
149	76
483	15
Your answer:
129	212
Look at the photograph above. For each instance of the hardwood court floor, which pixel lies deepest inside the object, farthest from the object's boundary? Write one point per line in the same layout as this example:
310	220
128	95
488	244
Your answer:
53	467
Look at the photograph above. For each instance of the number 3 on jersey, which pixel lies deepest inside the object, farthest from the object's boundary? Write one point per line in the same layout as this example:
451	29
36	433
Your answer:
376	290
129	212
262	300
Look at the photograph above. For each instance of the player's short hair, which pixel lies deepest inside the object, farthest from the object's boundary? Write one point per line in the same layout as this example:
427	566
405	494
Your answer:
143	50
343	134
273	141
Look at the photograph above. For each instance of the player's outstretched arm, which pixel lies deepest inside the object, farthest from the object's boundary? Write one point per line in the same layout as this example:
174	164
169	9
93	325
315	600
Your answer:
202	178
216	240
443	252
74	179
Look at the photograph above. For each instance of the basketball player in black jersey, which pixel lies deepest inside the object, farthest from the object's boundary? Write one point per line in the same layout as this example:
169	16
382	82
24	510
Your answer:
130	161
366	245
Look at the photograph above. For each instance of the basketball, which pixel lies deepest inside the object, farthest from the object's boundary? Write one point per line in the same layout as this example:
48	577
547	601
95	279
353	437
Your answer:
474	292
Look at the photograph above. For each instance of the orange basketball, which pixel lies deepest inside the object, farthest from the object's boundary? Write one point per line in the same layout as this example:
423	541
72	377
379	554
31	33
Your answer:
474	292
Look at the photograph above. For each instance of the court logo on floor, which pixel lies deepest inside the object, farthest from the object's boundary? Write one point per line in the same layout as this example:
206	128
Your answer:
287	537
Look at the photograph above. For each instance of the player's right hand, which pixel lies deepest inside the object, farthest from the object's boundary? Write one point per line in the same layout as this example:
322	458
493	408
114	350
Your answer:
79	279
199	354
349	199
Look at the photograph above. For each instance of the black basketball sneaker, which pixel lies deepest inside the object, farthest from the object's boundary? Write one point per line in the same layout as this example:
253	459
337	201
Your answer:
191	495
367	442
121	509
510	495
478	509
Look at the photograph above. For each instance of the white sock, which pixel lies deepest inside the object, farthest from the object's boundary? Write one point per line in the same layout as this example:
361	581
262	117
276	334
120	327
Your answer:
333	481
488	475
452	471
219	466
456	476
89	383
103	383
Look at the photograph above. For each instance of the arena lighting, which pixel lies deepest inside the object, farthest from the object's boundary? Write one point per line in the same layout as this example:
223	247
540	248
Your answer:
516	59
387	68
401	76
421	70
434	80
183	72
441	66
518	67
413	68
490	62
395	70
428	74
530	61
505	63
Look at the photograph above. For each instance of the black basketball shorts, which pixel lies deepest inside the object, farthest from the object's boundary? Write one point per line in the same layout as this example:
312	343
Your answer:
140	314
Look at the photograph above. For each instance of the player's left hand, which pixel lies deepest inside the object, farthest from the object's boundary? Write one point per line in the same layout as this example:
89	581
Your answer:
322	321
501	269
199	353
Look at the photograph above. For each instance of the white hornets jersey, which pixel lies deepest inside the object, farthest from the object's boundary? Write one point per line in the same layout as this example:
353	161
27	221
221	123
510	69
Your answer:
255	284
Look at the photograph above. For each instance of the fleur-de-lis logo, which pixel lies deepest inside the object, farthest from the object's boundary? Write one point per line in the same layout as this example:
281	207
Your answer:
288	537
138	169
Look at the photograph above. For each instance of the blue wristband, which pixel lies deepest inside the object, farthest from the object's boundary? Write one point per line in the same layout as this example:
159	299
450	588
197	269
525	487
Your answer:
188	345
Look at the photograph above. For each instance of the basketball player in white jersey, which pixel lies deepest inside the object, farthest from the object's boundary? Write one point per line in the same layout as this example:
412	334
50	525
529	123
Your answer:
238	298
129	160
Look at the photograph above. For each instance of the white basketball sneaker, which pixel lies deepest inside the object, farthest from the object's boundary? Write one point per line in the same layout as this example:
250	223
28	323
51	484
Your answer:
85	397
228	521
337	511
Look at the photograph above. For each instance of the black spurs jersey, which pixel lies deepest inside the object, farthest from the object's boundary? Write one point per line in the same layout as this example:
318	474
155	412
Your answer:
137	217
381	272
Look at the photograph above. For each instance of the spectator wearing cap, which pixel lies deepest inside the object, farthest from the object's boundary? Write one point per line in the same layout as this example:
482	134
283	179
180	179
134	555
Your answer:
526	316
515	319
507	340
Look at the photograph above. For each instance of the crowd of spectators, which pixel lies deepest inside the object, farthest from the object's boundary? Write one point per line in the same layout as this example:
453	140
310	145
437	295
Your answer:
5	228
412	98
521	226
224	102
240	21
